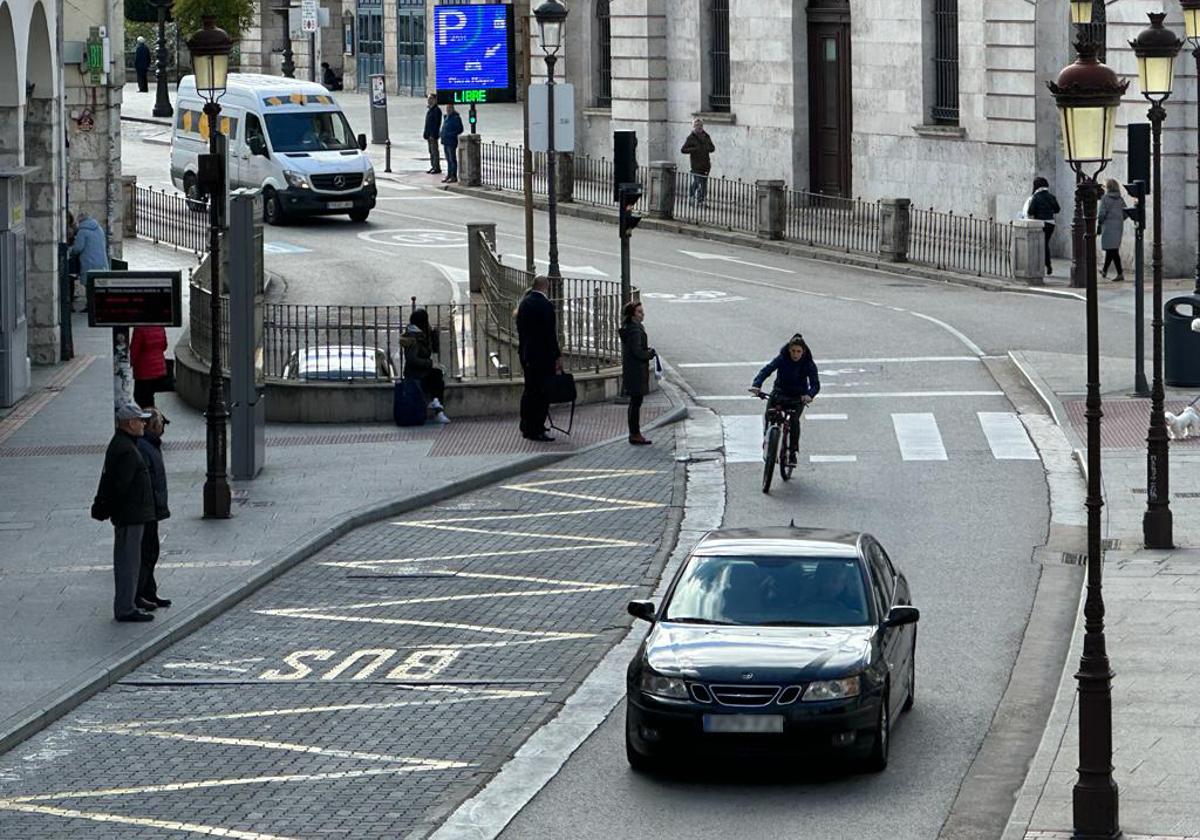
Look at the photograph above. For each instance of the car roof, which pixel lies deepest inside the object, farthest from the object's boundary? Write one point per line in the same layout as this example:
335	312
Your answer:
334	356
781	541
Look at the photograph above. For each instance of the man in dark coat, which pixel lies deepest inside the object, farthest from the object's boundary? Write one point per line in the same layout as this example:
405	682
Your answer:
636	354
699	147
537	339
141	63
150	445
451	127
433	132
128	496
1042	205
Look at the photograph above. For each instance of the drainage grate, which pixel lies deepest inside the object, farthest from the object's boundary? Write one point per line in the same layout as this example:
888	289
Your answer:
1071	558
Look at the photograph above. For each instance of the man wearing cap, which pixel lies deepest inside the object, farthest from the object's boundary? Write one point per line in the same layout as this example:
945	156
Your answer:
128	497
150	445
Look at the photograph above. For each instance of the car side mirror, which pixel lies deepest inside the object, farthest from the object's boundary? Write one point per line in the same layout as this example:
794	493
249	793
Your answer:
899	616
362	142
645	610
258	146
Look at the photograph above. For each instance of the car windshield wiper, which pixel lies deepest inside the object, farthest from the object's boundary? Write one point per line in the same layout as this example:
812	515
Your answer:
695	620
796	623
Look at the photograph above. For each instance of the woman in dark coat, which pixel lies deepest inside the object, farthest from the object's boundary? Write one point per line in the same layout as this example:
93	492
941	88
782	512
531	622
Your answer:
635	367
418	361
1111	219
1042	205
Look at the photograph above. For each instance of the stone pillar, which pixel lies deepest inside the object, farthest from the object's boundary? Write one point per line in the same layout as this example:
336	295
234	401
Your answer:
639	73
895	228
770	197
1028	251
129	206
660	198
475	246
43	220
565	176
470	148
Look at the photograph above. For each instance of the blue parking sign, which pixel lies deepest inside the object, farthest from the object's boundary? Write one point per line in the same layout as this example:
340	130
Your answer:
474	54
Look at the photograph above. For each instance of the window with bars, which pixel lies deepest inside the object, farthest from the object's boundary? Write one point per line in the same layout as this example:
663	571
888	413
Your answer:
718	55
604	54
945	62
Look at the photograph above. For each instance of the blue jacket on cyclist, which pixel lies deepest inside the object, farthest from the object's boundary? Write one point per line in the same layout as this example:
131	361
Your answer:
793	378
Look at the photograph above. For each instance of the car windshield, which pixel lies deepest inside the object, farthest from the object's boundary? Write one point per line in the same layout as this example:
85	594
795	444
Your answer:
310	131
770	591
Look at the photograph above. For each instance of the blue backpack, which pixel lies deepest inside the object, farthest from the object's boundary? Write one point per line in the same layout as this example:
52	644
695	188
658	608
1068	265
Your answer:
408	403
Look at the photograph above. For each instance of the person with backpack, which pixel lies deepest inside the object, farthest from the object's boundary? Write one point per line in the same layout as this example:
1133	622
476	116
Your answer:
417	342
1042	205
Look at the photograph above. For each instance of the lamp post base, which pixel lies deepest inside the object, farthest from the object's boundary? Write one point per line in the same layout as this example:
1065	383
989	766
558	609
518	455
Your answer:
1157	529
217	500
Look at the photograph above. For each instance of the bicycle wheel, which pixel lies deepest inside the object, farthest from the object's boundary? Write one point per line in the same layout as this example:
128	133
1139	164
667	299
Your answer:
786	467
769	457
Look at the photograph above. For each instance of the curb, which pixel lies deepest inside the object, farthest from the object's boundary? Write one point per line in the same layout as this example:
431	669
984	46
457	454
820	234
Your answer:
146	121
32	719
811	252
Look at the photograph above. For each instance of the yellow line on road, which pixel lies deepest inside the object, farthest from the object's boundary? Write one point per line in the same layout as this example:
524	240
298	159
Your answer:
528	534
146	822
473	555
632	504
444	599
616	473
441	625
542	515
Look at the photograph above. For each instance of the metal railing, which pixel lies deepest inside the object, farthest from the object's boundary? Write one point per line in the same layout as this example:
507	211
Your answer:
960	243
717	202
502	167
169	217
826	221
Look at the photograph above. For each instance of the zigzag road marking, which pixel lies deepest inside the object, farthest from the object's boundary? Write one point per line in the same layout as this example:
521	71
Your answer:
472	555
146	822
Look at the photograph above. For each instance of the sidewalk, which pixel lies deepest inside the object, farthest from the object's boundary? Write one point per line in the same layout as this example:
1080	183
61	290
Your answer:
1152	601
318	483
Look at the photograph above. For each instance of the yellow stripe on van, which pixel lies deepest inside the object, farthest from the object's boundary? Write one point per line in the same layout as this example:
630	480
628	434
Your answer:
273	100
187	120
324	100
297	98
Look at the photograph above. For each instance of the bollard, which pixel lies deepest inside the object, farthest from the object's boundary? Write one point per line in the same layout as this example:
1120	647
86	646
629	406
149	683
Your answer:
895	226
1029	251
387	155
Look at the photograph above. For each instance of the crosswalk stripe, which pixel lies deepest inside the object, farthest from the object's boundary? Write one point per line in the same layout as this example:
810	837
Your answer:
1007	436
862	395
832	459
918	437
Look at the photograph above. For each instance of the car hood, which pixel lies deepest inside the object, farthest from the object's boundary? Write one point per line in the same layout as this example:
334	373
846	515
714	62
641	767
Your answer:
312	163
771	653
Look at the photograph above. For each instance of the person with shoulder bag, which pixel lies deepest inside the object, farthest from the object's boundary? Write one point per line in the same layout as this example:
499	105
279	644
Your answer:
636	355
1043	205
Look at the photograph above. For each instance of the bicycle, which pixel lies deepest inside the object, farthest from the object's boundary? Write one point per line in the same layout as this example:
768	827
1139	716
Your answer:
779	421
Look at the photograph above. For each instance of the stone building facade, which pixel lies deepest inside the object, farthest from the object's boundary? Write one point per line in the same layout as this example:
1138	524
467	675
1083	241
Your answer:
940	101
261	46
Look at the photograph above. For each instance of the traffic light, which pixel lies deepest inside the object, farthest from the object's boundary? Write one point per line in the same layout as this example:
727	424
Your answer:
631	194
1137	213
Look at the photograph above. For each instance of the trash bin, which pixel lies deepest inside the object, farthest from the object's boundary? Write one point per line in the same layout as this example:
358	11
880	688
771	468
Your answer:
1181	346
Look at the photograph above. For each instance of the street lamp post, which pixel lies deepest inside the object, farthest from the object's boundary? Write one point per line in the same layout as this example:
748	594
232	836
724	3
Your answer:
162	102
1156	48
1088	94
551	16
1191	25
210	49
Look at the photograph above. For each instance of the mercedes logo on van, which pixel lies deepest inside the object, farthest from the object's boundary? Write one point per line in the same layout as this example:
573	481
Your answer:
339	181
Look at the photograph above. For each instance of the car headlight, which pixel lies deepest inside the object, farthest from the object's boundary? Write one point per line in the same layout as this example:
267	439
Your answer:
369	178
661	686
832	689
295	179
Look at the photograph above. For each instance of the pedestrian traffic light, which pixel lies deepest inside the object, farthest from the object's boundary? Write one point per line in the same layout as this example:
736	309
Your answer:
1137	213
631	194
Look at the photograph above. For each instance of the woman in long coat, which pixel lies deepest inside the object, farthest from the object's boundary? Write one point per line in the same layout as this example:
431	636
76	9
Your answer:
635	367
1111	219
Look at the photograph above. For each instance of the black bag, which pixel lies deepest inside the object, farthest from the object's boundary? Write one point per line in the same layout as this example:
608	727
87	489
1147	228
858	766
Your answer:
408	403
560	388
100	509
167	383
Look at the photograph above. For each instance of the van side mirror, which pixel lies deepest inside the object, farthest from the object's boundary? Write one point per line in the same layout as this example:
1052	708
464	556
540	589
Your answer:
899	616
258	146
644	610
362	142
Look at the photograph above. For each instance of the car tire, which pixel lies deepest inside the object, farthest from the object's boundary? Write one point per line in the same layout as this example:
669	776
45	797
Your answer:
911	699
639	762
359	215
273	208
877	759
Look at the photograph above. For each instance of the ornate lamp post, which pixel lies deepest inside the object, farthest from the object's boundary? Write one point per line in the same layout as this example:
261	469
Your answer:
1081	11
210	49
1081	19
1088	94
1156	48
162	102
1191	25
551	17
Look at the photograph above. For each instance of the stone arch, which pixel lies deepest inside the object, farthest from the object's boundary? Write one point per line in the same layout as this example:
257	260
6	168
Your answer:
10	90
39	60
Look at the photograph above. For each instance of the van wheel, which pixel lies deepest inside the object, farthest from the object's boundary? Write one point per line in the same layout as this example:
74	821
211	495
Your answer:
272	208
359	215
191	189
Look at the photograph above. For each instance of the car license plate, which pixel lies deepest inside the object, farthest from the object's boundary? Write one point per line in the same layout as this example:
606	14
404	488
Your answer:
340	205
743	723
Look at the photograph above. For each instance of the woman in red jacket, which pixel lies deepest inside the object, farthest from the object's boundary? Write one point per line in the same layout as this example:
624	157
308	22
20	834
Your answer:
147	355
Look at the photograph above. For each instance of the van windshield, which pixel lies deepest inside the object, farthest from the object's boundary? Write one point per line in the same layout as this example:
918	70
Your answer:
310	131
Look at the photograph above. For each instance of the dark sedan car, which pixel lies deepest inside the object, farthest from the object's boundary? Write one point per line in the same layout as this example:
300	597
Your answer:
777	642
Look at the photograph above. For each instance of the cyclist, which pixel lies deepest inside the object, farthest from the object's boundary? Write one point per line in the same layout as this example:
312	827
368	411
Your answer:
796	383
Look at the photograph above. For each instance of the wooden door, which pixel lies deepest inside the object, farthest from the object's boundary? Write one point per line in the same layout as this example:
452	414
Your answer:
829	106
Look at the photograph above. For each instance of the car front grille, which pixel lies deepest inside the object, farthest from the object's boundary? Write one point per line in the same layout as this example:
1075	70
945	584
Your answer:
348	181
744	695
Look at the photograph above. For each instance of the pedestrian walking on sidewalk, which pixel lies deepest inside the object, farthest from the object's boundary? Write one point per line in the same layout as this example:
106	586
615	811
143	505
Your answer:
90	245
537	347
451	127
150	445
1042	205
126	496
141	63
433	133
1111	218
417	342
636	355
147	355
699	147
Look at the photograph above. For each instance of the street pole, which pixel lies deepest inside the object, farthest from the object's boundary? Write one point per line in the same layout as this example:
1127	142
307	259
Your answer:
1077	235
526	154
162	101
552	187
289	65
1196	289
312	56
216	483
1140	387
1157	522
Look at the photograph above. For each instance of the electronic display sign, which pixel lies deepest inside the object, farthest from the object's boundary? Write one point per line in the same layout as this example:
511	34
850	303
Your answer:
474	54
134	299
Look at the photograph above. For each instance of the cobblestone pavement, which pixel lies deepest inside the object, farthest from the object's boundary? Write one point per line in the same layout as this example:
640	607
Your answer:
371	689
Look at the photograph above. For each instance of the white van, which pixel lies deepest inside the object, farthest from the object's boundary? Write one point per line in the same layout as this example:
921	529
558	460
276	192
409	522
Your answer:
288	138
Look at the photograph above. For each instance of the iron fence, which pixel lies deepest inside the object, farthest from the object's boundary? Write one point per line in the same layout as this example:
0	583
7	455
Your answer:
961	243
200	321
717	202
502	167
171	218
826	221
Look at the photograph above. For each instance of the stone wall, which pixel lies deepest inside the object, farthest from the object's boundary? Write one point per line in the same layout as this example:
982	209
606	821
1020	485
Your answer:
44	228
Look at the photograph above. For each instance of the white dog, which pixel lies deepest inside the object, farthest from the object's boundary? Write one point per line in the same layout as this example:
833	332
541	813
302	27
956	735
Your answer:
1183	425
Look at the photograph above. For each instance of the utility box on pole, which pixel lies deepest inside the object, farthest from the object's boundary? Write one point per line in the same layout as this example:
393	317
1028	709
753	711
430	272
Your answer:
14	327
249	403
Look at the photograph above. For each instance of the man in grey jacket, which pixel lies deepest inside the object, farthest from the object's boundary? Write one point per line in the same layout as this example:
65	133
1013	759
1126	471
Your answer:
127	495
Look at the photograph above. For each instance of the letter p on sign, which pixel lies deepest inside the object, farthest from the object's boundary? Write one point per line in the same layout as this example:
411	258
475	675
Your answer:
452	21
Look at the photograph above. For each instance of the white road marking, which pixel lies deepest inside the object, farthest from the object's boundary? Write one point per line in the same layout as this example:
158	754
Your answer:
146	822
864	395
396	185
181	564
409	622
232	665
473	555
886	360
1006	436
529	534
630	503
808	415
700	255
475	596
832	459
743	438
426	197
567	270
918	437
